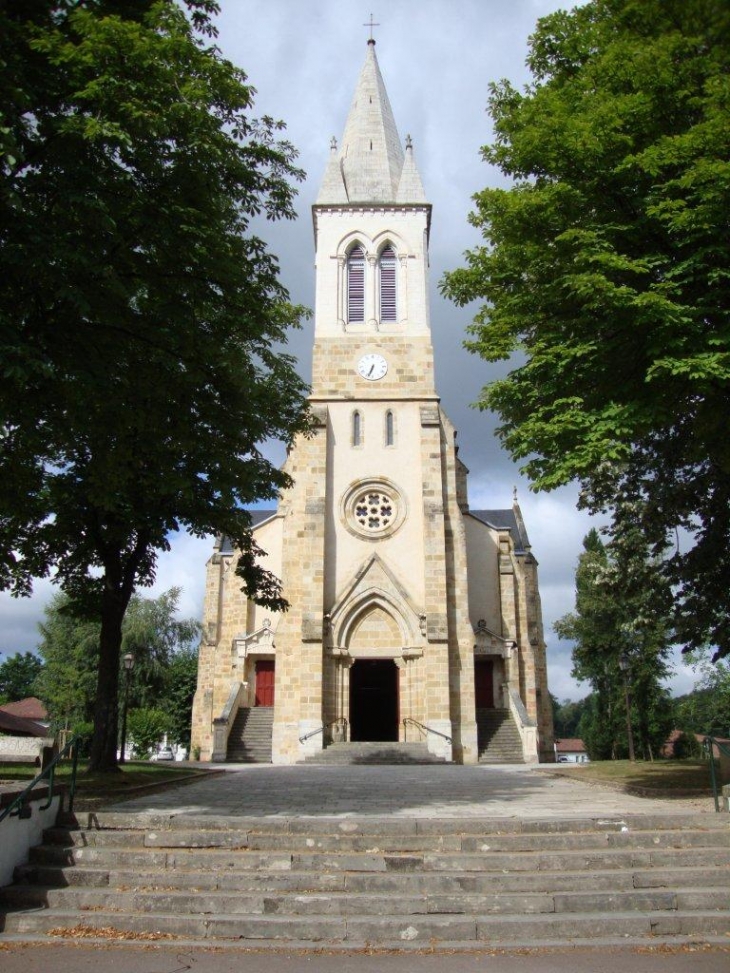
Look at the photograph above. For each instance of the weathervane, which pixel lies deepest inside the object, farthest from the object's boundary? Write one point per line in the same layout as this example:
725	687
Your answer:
371	25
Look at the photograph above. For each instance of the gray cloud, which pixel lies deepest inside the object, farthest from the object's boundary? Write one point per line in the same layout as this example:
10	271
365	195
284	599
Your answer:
437	60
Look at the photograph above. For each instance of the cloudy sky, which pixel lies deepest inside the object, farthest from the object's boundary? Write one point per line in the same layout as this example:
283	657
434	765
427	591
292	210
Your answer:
437	58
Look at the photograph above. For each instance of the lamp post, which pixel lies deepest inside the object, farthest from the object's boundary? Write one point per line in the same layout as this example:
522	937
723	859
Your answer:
624	664
128	662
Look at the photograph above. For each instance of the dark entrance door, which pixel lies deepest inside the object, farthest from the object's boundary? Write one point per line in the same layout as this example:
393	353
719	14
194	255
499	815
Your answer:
484	683
374	700
265	682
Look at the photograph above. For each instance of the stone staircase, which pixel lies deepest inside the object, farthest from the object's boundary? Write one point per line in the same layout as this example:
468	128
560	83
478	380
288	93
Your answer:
249	741
498	738
382	882
374	753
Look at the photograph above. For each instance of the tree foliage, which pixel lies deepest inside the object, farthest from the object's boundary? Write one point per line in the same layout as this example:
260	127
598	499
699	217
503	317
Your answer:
607	267
160	642
145	729
180	684
707	708
621	614
141	319
69	647
567	716
19	674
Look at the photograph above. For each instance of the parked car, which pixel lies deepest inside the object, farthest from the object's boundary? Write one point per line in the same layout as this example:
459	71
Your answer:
165	753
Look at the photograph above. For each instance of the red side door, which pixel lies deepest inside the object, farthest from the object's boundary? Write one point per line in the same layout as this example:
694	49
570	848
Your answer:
484	683
265	682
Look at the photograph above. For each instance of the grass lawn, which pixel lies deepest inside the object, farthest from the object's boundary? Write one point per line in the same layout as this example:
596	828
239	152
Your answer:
93	791
680	777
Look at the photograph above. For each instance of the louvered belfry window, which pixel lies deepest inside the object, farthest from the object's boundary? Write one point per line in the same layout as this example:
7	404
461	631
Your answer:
356	284
388	308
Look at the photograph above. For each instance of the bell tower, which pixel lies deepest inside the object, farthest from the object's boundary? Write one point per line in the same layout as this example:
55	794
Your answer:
371	229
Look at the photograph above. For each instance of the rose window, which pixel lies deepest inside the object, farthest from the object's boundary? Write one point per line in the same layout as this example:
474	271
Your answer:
373	509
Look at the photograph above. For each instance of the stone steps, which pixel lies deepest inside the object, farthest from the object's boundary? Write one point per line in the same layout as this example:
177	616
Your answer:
374	753
498	738
250	738
387	882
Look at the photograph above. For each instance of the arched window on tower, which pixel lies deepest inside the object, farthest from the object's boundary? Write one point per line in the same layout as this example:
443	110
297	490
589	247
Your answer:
389	428
356	429
356	285
388	296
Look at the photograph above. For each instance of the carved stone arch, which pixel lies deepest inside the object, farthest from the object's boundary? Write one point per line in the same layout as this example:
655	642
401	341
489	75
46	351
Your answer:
355	238
375	586
389	237
373	606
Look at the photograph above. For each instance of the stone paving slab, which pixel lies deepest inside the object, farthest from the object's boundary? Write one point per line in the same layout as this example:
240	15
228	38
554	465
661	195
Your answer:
422	792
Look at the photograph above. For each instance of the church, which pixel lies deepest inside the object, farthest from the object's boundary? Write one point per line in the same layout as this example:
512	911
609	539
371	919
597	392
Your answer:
413	619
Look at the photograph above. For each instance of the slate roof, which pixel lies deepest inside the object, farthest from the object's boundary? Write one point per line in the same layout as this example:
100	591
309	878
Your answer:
510	520
223	545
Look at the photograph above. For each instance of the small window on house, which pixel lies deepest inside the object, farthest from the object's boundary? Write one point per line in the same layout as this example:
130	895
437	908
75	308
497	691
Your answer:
387	266
356	284
389	429
356	429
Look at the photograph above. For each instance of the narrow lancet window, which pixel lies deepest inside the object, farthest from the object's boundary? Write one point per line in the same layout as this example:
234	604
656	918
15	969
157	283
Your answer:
356	285
389	429
388	302
356	429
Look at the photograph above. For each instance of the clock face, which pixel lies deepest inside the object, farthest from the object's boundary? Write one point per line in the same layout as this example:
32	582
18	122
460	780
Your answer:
372	367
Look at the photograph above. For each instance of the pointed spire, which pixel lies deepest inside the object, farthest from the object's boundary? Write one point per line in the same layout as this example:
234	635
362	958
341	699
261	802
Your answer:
372	167
410	187
332	189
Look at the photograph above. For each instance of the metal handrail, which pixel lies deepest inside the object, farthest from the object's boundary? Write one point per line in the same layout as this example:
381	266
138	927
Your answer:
21	807
709	743
325	726
428	729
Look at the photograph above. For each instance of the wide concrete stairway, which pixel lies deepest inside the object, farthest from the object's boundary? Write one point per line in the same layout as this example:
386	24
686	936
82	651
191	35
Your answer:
390	882
249	741
374	753
498	738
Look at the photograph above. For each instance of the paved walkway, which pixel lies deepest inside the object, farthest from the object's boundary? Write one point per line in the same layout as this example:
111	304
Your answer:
404	791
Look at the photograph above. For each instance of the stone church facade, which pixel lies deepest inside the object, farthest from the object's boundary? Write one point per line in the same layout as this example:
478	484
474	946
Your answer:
412	617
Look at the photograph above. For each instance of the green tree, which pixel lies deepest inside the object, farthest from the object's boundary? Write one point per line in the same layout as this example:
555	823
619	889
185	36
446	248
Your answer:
155	636
180	684
151	632
141	319
69	647
606	266
145	728
18	676
621	615
707	708
567	716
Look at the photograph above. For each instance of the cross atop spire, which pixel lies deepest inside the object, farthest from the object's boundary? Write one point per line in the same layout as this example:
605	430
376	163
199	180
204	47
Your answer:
371	24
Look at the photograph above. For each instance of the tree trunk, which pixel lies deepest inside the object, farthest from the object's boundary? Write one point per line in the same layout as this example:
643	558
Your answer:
106	709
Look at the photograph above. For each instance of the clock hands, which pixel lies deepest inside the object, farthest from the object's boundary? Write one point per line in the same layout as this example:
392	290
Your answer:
371	368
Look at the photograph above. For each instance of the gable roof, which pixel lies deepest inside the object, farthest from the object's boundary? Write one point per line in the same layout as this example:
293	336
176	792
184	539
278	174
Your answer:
21	727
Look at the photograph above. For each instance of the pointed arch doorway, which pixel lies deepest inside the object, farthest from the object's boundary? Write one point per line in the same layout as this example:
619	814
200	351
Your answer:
374	702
